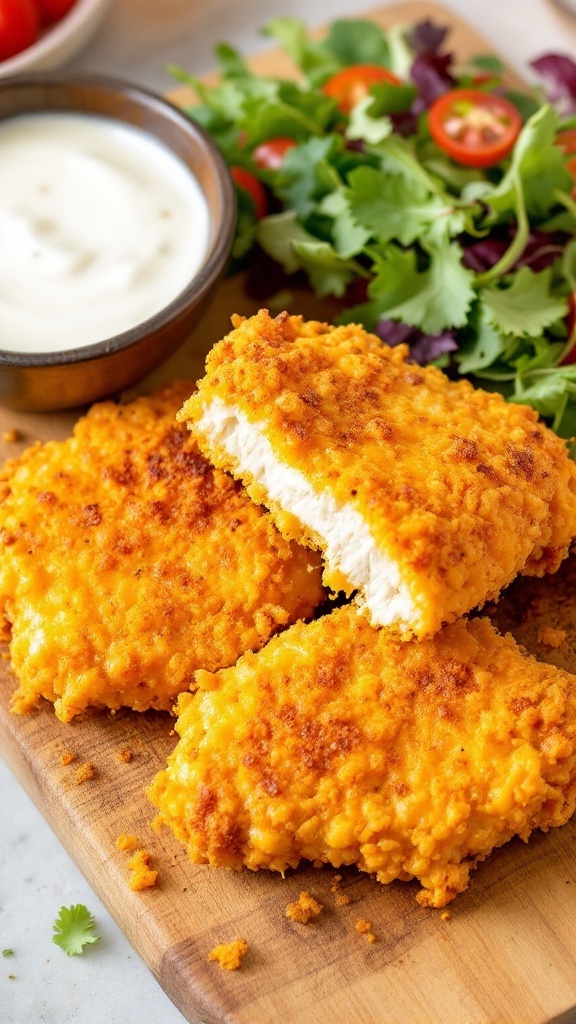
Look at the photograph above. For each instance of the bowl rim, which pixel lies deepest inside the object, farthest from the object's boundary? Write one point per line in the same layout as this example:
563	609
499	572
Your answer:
81	17
223	230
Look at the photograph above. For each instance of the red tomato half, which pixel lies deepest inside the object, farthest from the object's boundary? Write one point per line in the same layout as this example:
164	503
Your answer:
270	155
353	84
253	187
18	26
475	128
53	10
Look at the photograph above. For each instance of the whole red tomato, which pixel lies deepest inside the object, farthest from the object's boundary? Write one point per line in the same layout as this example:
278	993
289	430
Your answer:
19	26
53	10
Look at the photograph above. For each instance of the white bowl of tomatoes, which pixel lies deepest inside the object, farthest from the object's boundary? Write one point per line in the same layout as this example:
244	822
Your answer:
37	35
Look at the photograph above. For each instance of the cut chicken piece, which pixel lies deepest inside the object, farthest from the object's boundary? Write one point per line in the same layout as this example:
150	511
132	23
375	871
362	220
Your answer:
342	743
425	495
127	562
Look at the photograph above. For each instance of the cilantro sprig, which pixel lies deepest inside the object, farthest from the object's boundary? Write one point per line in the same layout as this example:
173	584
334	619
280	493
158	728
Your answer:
74	929
473	268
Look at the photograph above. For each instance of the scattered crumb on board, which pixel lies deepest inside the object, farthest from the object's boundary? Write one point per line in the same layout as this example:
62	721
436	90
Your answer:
67	757
142	876
84	772
11	436
342	900
364	927
230	954
445	915
125	755
304	909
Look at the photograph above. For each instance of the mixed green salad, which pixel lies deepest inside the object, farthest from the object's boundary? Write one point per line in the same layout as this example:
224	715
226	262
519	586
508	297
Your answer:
436	203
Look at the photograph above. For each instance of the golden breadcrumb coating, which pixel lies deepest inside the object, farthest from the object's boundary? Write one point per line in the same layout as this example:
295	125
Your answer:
459	489
127	562
541	615
343	743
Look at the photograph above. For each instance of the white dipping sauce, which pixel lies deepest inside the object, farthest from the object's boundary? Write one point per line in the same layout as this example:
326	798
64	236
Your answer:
100	227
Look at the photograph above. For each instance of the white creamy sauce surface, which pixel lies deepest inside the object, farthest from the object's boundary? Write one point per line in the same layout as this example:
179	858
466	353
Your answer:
100	228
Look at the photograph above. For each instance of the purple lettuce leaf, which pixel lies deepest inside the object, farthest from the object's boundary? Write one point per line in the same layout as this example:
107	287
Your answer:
559	74
424	348
426	37
542	250
432	77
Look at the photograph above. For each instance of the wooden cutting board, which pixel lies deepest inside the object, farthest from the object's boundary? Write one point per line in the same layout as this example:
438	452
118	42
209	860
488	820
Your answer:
507	953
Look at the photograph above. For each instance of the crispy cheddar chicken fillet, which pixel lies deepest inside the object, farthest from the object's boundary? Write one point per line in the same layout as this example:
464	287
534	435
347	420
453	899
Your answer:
127	562
342	743
426	496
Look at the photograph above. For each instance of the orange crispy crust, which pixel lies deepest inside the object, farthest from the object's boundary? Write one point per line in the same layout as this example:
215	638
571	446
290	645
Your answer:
347	745
460	488
127	562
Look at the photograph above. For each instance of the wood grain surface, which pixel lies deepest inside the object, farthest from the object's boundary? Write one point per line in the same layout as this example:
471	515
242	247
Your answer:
507	953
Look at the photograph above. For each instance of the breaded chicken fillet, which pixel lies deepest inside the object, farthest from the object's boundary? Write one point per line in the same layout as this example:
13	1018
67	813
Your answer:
541	615
342	743
425	495
127	562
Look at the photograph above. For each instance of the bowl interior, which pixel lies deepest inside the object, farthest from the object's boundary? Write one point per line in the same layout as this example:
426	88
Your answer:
104	97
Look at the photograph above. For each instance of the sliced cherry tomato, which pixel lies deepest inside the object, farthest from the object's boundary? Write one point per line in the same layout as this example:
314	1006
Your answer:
53	10
19	26
475	128
270	155
353	84
253	187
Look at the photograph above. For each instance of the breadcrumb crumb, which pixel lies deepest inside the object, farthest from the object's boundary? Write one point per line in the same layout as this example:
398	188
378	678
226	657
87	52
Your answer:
364	927
551	637
230	954
67	757
84	772
342	900
304	909
11	436
143	877
126	842
125	755
445	915
336	884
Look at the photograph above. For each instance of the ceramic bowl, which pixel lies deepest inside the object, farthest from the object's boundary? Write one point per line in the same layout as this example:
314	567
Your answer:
59	42
60	380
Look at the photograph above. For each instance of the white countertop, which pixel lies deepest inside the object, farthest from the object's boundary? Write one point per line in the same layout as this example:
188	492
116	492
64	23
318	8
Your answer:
109	984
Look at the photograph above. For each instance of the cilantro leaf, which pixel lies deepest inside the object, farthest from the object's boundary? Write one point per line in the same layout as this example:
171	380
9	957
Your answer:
73	929
349	237
538	164
7	952
329	274
307	173
527	306
482	343
433	299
